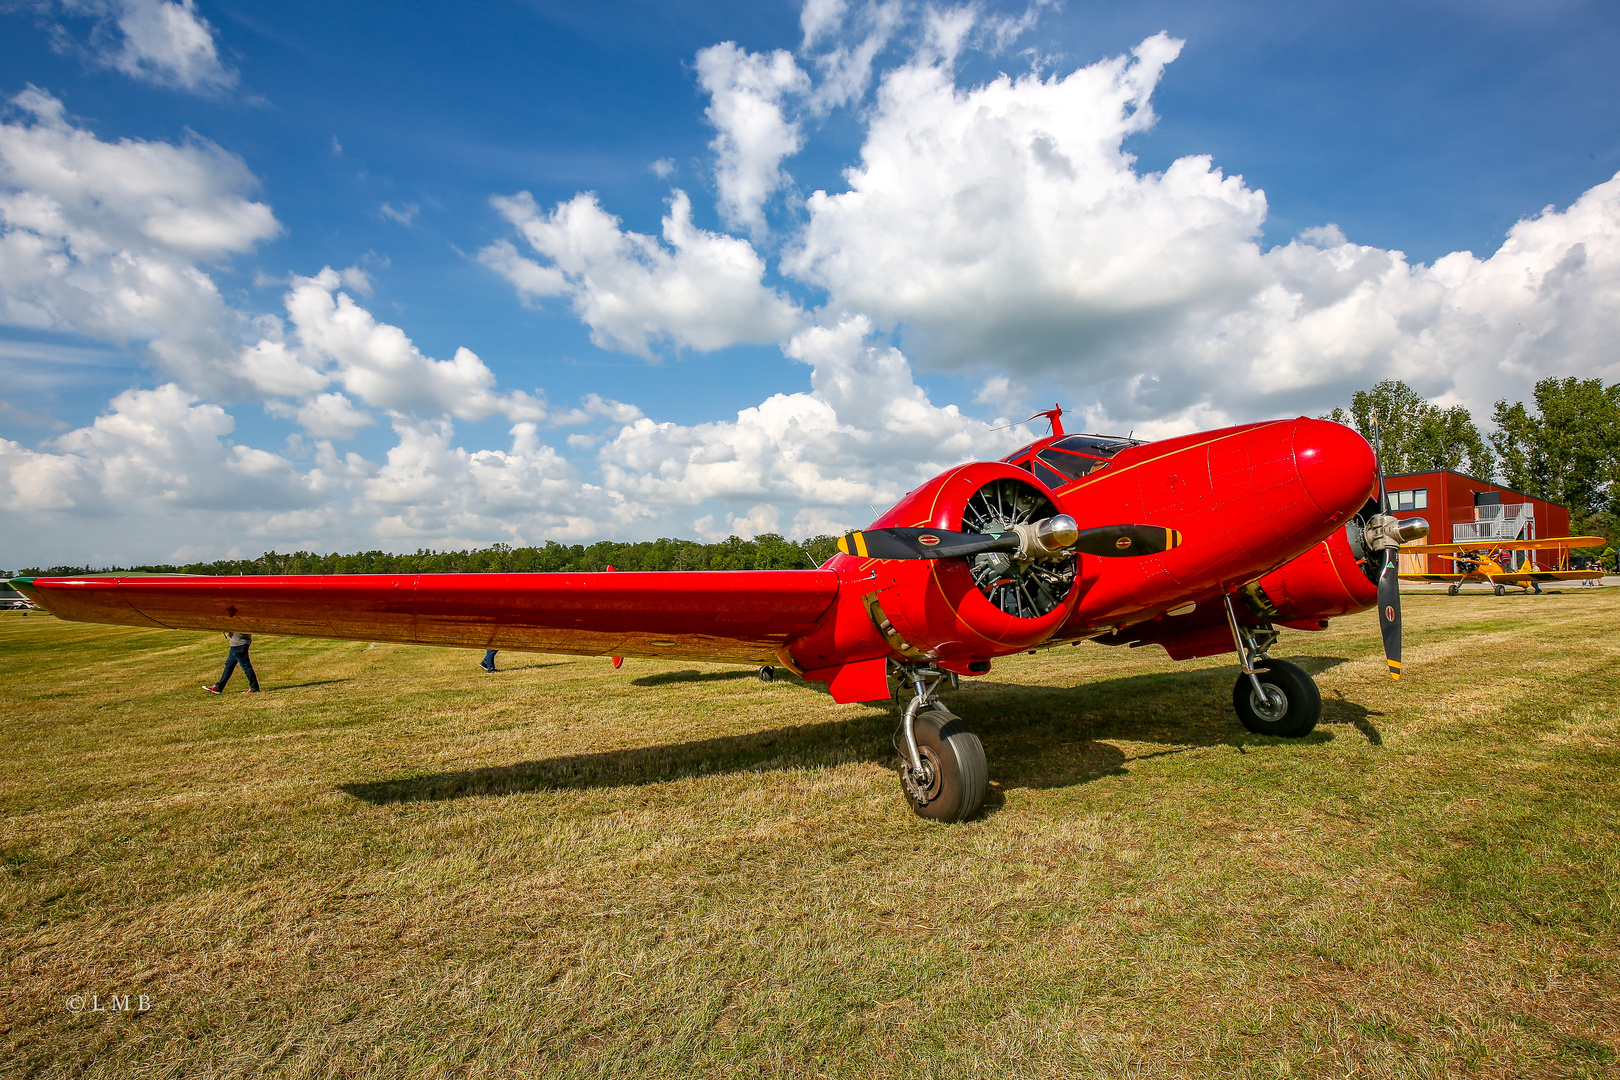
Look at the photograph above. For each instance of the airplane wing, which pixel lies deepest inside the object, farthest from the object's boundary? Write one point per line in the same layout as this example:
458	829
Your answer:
1432	577
1507	545
1520	576
737	616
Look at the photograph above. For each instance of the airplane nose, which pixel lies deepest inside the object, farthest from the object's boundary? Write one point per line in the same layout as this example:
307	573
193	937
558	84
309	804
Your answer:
1336	466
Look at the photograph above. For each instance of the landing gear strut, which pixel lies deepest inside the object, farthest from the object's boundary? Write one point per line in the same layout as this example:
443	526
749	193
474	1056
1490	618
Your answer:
1278	699
942	767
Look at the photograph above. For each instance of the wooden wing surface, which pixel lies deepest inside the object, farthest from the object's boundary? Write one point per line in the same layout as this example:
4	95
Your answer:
1519	577
740	616
1545	544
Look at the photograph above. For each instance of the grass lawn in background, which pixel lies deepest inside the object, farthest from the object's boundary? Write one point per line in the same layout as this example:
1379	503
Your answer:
394	865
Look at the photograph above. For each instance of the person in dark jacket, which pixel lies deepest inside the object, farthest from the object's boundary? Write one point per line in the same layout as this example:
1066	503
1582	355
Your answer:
238	654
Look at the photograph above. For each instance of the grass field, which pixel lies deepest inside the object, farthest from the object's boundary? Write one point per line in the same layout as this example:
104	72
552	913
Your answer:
392	864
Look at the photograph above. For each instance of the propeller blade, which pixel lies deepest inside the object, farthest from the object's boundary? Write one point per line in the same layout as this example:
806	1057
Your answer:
1108	541
1114	541
1389	614
924	543
1389	583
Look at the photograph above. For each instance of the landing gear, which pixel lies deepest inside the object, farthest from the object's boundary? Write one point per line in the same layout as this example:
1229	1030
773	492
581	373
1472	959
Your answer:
1452	589
1499	590
951	782
767	674
942	766
1278	698
1282	700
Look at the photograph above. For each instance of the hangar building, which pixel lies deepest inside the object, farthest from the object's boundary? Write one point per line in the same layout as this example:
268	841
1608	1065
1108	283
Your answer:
1461	509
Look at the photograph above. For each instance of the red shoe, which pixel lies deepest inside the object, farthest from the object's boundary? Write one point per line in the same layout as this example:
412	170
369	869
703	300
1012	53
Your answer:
250	691
212	689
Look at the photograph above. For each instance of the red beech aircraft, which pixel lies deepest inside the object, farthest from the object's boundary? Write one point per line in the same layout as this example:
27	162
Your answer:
1203	544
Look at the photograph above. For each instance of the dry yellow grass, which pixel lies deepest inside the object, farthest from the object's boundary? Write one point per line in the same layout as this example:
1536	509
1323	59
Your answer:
392	864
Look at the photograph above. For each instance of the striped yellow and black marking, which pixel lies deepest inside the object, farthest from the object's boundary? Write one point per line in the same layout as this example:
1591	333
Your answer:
853	544
1395	670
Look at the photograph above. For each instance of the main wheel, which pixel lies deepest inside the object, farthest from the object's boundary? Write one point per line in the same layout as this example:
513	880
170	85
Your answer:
767	674
1452	590
1499	590
1292	704
954	774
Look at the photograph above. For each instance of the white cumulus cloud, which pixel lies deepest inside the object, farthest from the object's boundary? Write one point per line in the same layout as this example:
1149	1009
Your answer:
103	239
157	41
696	289
864	435
746	92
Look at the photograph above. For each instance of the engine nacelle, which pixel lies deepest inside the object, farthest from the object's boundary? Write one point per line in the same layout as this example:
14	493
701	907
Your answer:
1329	580
953	609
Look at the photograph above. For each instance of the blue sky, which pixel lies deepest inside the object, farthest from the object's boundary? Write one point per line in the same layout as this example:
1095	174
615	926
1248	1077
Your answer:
375	139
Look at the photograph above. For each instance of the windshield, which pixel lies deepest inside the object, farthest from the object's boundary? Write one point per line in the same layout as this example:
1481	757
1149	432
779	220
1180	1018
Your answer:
1069	458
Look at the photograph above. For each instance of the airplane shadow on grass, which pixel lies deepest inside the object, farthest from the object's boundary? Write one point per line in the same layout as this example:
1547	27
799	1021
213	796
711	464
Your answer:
1035	737
691	675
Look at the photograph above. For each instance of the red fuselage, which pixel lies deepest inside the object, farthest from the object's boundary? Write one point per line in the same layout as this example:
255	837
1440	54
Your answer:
1261	503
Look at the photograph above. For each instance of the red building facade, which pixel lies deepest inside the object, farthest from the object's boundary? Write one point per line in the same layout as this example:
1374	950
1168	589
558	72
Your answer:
1461	509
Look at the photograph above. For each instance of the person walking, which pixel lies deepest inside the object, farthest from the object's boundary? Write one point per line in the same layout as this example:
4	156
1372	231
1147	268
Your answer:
238	654
488	662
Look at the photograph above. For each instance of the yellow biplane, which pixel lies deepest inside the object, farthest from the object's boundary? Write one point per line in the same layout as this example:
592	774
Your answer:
1487	563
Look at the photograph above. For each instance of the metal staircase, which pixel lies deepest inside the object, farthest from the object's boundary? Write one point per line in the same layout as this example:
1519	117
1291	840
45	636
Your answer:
1497	523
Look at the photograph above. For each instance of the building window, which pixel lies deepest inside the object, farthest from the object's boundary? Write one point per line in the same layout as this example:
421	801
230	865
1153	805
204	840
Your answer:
1414	499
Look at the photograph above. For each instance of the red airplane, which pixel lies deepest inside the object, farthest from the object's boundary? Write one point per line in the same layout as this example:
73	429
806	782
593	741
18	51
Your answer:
1204	544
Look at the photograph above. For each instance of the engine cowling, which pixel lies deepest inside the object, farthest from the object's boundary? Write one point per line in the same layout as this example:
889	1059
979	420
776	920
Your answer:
956	609
1336	577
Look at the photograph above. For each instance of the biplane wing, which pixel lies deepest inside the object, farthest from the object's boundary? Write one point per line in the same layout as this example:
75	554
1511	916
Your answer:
1440	578
1506	545
1524	577
736	616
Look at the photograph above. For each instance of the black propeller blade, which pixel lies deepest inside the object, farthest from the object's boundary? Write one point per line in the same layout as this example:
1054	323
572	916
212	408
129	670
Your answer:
1109	541
1114	541
1389	614
1389	583
924	543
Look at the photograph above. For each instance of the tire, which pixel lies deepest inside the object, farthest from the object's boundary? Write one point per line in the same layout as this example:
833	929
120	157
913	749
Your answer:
955	756
1452	591
1500	590
767	674
1293	716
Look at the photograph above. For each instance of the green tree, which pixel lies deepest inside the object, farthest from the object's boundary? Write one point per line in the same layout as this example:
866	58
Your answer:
1568	449
1448	439
1416	436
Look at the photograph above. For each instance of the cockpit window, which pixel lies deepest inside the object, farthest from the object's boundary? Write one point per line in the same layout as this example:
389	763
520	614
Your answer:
1050	477
1069	458
1097	446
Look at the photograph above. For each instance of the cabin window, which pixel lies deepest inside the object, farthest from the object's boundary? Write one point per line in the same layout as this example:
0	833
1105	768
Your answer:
1072	465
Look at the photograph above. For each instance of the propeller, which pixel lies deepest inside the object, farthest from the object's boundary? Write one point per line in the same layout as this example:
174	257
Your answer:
1387	533
1053	537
